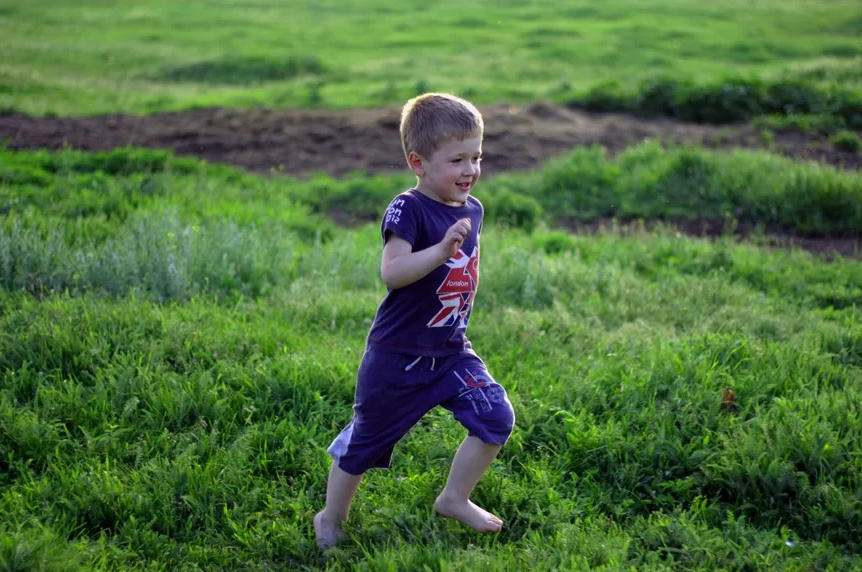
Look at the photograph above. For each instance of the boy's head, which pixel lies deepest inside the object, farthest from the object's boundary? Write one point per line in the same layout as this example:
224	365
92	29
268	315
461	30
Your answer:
433	118
442	139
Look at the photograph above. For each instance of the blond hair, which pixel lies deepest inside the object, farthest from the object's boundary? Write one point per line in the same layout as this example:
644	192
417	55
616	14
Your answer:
433	118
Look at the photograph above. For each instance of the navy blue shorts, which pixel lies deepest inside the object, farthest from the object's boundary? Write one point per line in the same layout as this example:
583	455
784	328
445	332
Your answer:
394	391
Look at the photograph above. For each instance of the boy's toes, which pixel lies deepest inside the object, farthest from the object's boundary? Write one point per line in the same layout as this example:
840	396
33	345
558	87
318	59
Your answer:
491	516
326	534
469	514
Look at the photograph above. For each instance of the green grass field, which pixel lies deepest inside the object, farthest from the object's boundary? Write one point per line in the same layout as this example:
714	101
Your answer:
93	56
173	367
178	340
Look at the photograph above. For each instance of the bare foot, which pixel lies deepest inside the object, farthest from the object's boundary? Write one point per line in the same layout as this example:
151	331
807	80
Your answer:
468	513
327	532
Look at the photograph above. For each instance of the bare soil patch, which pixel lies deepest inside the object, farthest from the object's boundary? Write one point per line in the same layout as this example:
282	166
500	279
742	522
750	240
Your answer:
300	141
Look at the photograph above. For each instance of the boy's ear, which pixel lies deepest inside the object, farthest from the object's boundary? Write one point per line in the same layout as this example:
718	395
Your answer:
416	163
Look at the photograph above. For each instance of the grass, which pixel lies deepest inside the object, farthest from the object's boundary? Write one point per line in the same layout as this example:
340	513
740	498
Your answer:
98	57
846	140
173	369
178	341
786	99
646	181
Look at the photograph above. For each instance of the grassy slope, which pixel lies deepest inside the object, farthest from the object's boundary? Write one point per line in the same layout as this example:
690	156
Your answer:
94	57
171	411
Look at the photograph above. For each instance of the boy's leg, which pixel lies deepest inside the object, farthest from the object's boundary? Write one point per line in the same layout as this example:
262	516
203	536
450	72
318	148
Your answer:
339	494
480	404
471	461
390	399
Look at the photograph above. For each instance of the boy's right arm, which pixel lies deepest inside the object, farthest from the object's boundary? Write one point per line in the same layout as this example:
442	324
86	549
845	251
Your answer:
401	266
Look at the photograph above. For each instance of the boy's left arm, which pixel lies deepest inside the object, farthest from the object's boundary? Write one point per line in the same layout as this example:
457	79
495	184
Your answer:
401	266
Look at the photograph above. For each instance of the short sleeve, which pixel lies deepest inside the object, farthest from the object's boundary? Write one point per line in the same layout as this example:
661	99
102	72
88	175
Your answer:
481	214
402	218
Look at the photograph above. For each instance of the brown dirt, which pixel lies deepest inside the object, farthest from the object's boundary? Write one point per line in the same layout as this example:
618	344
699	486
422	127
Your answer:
301	141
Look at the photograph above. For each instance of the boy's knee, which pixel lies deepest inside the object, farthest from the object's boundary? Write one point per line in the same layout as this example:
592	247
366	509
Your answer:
507	419
497	425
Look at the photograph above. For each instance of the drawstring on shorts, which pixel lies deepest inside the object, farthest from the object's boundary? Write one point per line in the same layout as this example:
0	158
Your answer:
410	366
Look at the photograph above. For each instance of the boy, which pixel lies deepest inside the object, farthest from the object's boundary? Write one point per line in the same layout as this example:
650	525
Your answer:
417	355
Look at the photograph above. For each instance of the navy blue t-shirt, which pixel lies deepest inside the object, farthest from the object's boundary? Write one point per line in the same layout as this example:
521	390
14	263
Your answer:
430	316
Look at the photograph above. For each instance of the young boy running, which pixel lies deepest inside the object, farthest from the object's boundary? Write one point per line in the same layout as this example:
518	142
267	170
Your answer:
417	355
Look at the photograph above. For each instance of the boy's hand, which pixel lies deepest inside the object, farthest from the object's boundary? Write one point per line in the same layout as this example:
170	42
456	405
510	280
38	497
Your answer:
455	237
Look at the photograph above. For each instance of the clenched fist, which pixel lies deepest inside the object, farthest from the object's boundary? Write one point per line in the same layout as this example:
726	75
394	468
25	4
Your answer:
455	237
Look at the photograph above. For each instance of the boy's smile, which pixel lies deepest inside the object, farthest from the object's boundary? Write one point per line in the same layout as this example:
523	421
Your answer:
451	172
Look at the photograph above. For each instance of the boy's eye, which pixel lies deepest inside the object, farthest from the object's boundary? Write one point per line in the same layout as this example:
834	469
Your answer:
456	160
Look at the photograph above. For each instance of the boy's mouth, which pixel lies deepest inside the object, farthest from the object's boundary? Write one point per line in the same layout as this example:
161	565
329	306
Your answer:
464	186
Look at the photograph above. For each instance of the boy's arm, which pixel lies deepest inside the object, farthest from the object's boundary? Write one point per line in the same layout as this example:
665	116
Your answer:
401	266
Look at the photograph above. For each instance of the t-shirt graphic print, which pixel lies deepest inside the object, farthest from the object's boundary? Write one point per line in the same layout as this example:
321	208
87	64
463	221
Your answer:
457	291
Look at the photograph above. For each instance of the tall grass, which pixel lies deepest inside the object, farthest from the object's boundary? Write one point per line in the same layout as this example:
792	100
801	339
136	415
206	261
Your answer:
646	181
734	99
172	370
688	183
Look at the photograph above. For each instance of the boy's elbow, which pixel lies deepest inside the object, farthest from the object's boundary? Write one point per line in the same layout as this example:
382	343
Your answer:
388	279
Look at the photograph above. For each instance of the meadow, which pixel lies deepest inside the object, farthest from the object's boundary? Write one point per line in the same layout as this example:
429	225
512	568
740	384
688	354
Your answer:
93	57
179	340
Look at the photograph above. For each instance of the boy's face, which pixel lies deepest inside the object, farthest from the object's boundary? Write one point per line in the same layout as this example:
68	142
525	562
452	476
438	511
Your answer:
451	172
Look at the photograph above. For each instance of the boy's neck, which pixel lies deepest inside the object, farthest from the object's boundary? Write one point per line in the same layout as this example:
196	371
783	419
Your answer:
432	195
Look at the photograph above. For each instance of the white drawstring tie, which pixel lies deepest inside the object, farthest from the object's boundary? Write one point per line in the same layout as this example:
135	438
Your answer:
410	366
